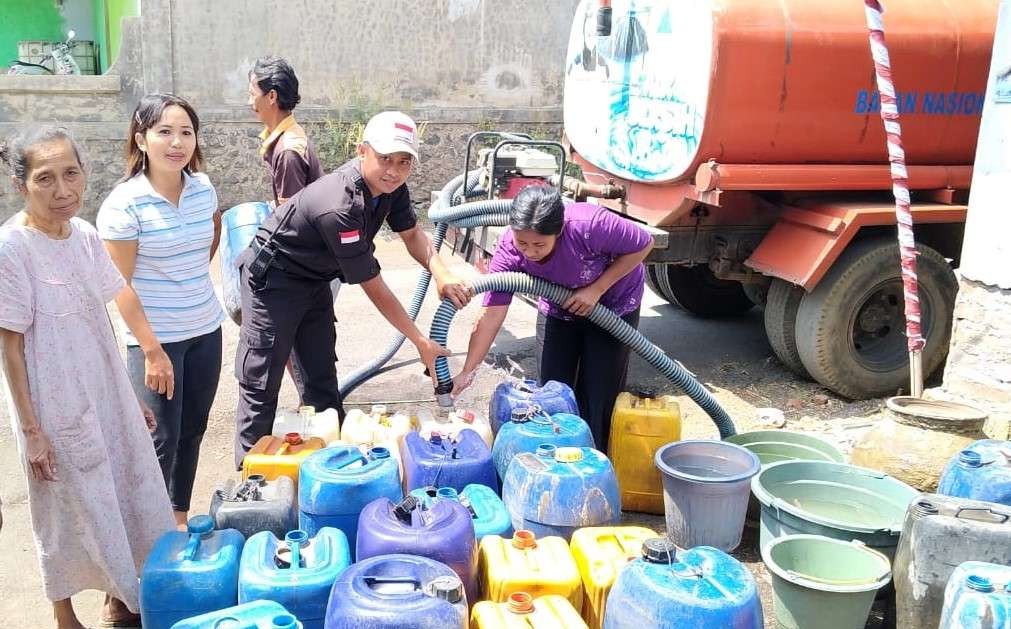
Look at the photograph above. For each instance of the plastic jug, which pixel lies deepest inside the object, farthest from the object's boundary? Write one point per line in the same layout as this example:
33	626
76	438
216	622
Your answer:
377	428
641	424
523	611
255	615
980	472
939	533
487	510
190	573
272	456
297	572
308	423
446	462
600	554
700	587
444	532
450	424
553	397
556	491
528	428
978	596
337	483
397	592
255	505
238	226
527	563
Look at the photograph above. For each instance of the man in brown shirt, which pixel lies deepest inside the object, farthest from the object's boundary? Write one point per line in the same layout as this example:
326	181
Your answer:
290	157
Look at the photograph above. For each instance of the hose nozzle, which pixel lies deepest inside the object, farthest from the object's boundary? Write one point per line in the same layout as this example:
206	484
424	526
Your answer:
604	18
442	394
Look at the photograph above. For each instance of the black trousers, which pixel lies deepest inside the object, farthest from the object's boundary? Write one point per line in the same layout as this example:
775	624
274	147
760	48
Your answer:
589	360
282	316
182	421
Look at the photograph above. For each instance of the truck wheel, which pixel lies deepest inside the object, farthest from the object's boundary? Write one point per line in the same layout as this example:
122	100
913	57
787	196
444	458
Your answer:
781	306
699	292
652	279
851	330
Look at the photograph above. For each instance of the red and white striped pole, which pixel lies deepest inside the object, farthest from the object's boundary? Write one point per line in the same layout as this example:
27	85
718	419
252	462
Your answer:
900	188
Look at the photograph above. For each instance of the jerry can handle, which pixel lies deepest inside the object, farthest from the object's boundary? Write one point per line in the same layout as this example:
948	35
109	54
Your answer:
983	510
296	539
349	457
230	622
373	580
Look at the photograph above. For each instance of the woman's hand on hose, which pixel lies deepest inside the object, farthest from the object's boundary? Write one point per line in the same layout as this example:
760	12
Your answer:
158	374
583	300
41	455
428	351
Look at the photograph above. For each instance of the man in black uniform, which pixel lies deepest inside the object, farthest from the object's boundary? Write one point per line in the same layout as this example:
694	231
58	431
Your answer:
326	231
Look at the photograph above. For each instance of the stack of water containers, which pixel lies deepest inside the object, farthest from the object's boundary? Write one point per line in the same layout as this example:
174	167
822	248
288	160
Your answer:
389	526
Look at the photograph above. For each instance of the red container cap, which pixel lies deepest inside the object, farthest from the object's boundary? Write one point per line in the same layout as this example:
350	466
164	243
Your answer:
521	603
524	539
292	438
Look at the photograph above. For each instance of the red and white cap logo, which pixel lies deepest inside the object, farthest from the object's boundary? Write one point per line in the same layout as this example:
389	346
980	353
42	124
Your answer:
392	132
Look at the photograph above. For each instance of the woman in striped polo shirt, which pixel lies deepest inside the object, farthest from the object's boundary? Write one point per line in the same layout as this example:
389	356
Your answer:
160	225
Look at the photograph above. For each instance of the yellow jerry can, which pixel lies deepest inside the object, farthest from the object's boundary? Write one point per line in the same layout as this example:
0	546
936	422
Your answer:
526	563
640	425
523	611
600	553
279	456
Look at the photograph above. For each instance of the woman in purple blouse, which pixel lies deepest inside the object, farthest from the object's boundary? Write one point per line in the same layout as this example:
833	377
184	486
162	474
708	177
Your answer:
586	248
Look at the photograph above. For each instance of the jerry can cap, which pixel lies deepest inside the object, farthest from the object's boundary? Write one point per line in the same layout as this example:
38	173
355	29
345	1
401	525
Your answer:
659	550
256	479
292	438
378	409
568	455
379	452
524	539
647	393
979	583
307	410
970	458
200	525
521	603
521	414
466	416
448	493
447	587
402	511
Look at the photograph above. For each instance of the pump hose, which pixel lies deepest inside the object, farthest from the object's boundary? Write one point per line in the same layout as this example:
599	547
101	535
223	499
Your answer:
601	316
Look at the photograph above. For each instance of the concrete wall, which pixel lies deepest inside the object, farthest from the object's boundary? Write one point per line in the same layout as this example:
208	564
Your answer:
979	365
459	65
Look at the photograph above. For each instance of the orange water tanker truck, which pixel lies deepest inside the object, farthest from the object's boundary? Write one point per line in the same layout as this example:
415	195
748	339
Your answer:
748	134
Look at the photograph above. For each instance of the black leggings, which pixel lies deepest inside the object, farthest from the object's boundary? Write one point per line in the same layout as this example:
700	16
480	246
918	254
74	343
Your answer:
588	359
196	364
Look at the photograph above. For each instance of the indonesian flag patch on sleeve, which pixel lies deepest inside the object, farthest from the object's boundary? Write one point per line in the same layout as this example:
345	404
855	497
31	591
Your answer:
349	237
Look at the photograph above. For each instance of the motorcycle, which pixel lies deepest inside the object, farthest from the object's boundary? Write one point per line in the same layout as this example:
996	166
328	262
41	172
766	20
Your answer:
62	59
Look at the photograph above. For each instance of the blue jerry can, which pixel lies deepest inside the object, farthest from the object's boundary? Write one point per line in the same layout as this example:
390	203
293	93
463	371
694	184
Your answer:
487	510
336	483
447	462
190	573
255	615
700	587
297	572
978	596
529	428
397	592
980	472
238	226
555	491
553	397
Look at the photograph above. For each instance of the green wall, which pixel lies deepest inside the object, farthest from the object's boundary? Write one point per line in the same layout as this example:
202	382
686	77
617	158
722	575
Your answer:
27	19
115	10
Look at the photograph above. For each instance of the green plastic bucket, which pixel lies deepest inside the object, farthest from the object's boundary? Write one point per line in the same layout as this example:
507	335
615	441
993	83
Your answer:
773	446
836	500
822	582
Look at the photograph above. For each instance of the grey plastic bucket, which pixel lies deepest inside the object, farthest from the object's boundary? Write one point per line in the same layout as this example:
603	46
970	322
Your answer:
832	499
705	491
822	582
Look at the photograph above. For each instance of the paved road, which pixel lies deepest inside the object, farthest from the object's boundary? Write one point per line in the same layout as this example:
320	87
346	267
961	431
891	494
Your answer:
731	356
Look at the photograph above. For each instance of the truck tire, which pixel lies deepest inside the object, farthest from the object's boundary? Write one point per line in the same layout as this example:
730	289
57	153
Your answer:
697	291
781	305
850	329
652	280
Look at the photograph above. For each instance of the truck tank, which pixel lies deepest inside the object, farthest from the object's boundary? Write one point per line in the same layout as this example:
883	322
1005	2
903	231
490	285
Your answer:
771	82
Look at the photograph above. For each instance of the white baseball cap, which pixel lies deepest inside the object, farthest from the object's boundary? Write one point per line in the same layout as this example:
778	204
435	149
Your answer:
392	132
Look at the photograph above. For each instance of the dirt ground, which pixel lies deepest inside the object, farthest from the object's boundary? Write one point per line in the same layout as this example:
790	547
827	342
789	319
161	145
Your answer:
731	356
